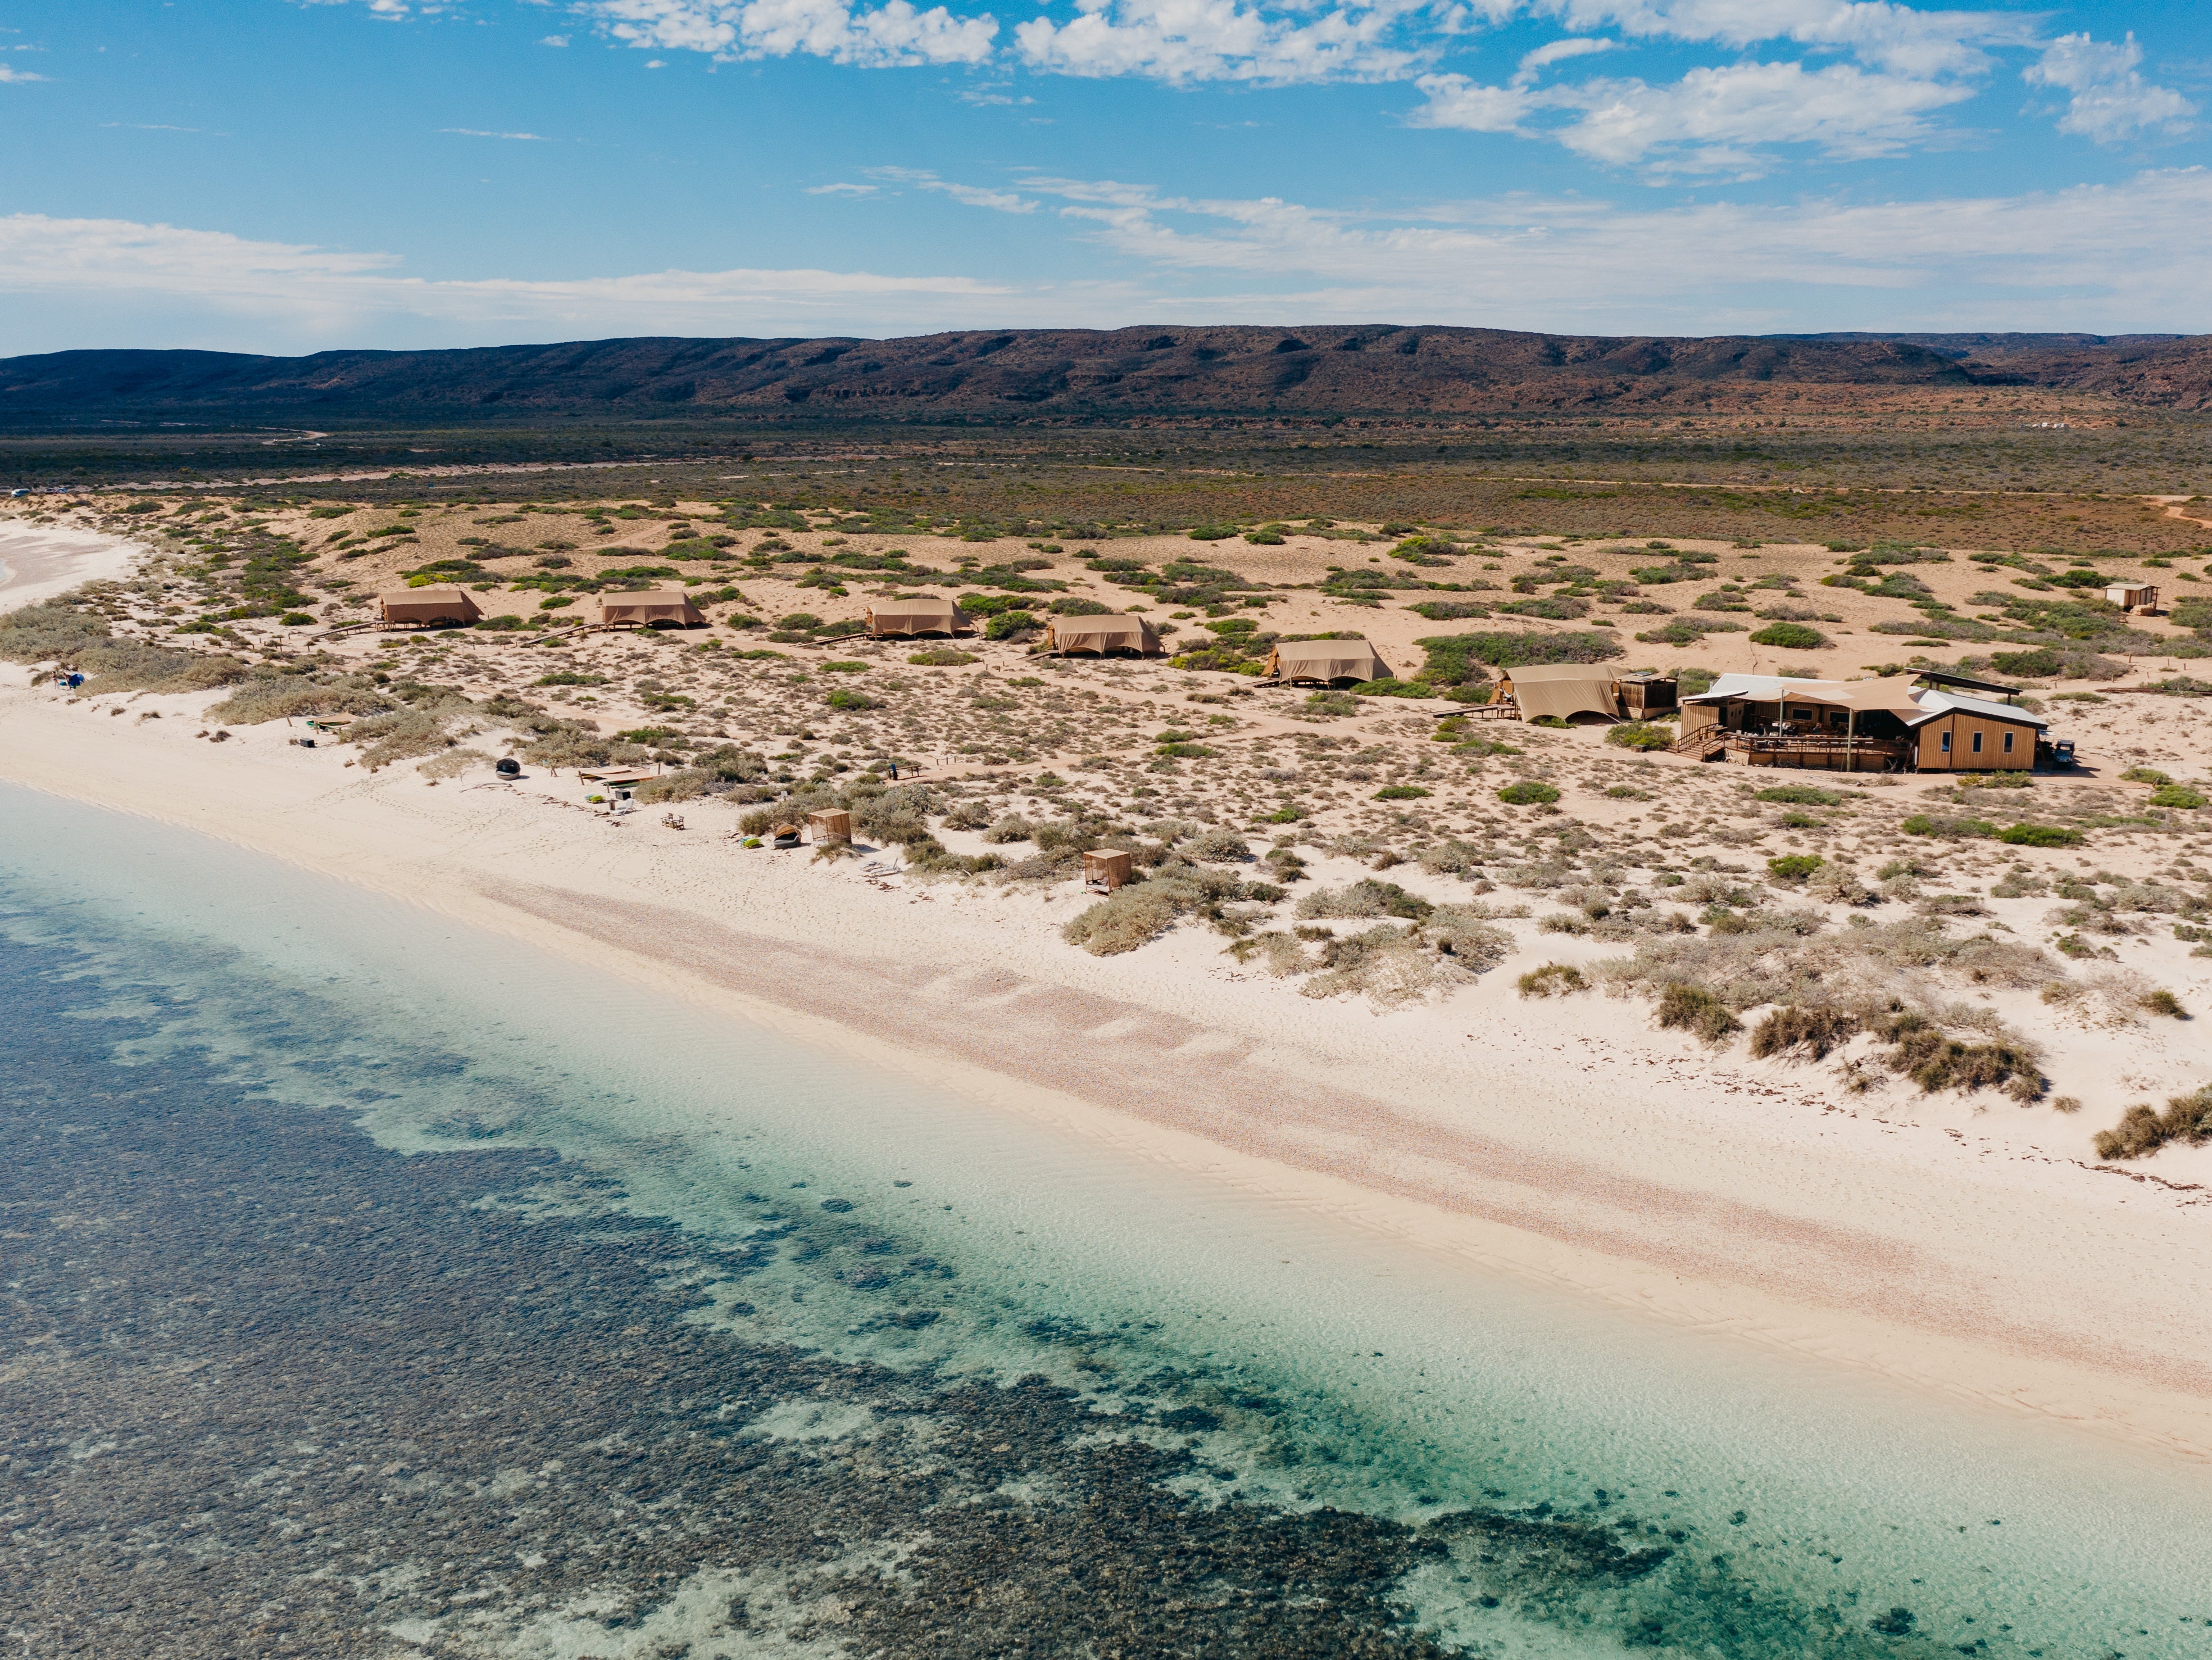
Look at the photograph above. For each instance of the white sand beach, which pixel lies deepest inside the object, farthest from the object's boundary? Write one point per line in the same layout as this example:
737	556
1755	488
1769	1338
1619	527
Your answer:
1948	1246
38	561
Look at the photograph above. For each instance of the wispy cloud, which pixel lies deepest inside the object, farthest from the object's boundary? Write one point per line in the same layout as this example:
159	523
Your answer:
478	132
553	41
841	189
11	75
973	196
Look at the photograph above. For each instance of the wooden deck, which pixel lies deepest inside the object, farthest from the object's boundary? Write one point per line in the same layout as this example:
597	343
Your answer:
1821	751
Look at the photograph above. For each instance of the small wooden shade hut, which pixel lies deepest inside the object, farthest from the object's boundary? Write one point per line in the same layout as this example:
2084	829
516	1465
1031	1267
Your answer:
784	835
428	605
1106	870
2133	596
830	825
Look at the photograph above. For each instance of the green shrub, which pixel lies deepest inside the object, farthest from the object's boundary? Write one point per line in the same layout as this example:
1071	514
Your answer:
1804	795
2176	795
1641	735
1950	829
1553	980
1692	1008
1399	793
941	657
1366	898
1794	866
1528	792
1210	533
844	668
2146	776
2164	1002
1936	1061
2040	836
1796	1031
844	697
2142	1132
1791	636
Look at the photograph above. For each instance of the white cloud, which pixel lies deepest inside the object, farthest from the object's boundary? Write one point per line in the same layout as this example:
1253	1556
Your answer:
1534	64
89	282
968	195
841	189
1898	38
2110	99
10	76
554	40
1711	120
894	33
1179	40
2109	258
478	132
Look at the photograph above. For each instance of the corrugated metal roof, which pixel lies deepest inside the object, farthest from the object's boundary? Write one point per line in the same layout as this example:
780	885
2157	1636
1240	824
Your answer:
1933	702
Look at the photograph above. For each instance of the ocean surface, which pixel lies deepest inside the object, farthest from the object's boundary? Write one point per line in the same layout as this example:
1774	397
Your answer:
374	1286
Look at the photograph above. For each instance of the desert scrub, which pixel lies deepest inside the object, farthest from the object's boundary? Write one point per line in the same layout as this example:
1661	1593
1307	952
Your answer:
268	697
2040	836
711	773
1141	912
1801	1033
1804	795
2163	1002
1393	964
1794	866
403	734
1528	792
1640	735
1935	1060
1553	980
2142	1131
1785	959
941	657
453	763
1366	898
1216	847
60	630
1692	1008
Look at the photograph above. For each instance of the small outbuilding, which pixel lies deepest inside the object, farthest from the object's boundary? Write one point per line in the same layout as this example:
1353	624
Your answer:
648	607
830	827
1325	662
1106	870
2133	596
929	614
1101	634
426	606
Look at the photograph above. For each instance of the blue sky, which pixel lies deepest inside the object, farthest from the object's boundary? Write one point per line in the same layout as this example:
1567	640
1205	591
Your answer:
292	175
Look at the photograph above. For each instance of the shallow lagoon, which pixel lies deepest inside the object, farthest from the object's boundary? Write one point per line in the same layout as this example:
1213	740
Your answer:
931	1374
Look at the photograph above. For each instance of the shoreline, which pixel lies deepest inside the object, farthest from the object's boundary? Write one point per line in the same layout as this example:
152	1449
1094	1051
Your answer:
1889	1249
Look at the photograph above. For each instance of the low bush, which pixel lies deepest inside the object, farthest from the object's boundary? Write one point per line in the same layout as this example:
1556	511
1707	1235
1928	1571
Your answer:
1802	1032
1935	1060
1366	898
1528	792
1641	735
2164	1002
1805	795
2176	795
2040	836
941	657
1791	636
844	697
1553	980
1947	828
1694	1009
2141	1131
1399	793
1794	866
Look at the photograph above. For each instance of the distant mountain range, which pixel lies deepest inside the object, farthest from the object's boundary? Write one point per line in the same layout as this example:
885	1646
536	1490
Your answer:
1031	372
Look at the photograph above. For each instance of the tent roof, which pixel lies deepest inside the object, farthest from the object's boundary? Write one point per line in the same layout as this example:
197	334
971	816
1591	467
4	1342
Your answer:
1541	671
928	604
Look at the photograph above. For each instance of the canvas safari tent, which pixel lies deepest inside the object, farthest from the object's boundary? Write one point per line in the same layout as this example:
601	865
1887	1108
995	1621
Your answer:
1326	661
930	614
428	605
650	605
1561	691
1101	634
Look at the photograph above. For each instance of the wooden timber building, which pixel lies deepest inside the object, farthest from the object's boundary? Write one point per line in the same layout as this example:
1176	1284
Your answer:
1899	723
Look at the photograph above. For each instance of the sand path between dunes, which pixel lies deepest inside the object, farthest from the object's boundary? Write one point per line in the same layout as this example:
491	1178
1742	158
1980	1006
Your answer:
1561	1140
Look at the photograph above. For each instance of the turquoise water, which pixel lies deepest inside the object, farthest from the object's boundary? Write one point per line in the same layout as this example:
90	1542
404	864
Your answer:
1535	1475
